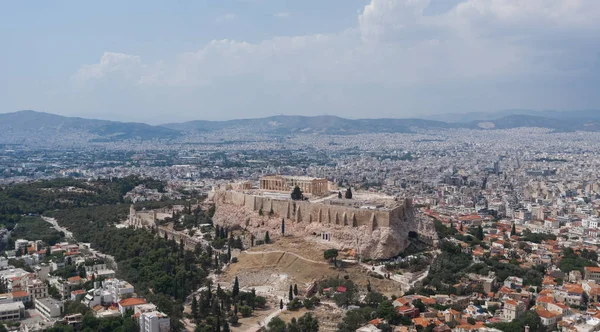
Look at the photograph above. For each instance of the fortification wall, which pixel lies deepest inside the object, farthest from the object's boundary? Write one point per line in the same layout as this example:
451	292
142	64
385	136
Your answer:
308	212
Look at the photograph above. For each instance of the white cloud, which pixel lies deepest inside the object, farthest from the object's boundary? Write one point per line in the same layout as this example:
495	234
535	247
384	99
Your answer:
110	63
282	15
226	17
393	46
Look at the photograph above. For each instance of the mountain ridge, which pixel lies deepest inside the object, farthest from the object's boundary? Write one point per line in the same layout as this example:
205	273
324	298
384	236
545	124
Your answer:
29	120
106	130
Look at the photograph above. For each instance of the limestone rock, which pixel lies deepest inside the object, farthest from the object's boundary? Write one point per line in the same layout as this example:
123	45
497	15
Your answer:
381	243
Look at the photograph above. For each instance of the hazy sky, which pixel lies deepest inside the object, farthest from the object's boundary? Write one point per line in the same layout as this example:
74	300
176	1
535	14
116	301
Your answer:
165	61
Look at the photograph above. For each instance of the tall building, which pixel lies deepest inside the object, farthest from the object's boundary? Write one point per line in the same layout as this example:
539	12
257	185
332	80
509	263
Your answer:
154	321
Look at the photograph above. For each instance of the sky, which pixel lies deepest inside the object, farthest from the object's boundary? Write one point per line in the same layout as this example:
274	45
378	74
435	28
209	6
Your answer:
171	61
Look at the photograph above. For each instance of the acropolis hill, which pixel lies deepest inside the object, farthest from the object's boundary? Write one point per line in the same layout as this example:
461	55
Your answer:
373	226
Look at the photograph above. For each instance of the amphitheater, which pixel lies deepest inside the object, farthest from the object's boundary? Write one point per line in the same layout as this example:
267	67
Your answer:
368	226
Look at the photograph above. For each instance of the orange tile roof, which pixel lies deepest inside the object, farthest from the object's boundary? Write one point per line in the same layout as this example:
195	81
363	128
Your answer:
75	278
547	314
421	321
20	294
77	292
592	269
548	280
428	301
131	302
511	302
574	288
375	321
545	299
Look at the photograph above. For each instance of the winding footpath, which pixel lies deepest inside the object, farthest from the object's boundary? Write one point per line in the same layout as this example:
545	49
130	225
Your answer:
283	252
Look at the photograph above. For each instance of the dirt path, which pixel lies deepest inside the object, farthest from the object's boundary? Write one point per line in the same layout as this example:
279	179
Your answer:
283	252
52	221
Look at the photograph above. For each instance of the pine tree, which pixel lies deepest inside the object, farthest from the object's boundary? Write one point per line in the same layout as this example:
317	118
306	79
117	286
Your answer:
217	232
339	194
281	304
369	286
216	260
225	327
195	307
295	289
479	233
282	226
252	240
513	231
228	253
267	238
349	193
236	287
297	194
291	293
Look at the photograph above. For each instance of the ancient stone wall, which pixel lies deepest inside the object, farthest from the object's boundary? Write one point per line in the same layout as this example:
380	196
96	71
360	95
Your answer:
372	234
308	212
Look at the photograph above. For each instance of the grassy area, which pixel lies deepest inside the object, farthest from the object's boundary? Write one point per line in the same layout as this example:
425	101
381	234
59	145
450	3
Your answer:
35	228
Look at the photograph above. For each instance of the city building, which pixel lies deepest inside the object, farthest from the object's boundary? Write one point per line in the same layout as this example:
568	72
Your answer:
591	273
12	311
154	321
49	308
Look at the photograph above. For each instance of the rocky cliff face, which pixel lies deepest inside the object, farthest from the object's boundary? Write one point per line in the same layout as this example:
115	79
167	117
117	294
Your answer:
381	243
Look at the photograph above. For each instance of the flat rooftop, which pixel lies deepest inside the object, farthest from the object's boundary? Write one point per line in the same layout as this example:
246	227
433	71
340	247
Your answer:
361	200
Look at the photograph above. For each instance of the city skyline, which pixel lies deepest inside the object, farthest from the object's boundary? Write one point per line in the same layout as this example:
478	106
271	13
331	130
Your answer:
158	63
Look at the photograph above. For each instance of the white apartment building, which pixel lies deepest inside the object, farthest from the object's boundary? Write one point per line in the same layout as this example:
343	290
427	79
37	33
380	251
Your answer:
111	291
49	308
589	223
154	321
12	311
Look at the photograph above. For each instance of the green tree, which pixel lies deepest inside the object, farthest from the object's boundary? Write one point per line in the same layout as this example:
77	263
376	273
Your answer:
348	193
387	311
330	254
282	226
295	289
291	293
513	230
308	323
236	288
479	233
281	304
276	325
297	194
246	310
267	238
194	307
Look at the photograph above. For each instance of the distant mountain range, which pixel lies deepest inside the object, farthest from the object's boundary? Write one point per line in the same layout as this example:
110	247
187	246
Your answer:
51	124
326	124
488	116
323	124
101	130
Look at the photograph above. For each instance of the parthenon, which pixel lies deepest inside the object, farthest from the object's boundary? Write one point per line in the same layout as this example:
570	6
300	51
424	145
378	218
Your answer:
308	185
